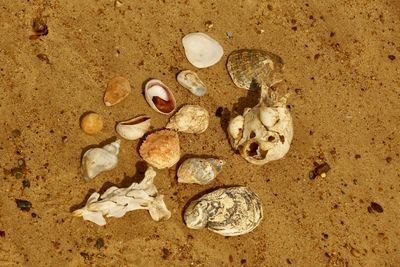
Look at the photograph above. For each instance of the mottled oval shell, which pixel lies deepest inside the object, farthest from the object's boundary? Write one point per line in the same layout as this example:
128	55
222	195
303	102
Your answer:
199	171
250	67
227	211
190	119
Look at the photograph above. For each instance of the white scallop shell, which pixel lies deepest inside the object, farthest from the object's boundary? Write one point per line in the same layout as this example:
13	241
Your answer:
190	119
201	50
191	81
97	160
199	171
134	128
227	211
159	97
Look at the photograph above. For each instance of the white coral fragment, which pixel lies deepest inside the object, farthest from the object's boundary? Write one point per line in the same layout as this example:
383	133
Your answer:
116	202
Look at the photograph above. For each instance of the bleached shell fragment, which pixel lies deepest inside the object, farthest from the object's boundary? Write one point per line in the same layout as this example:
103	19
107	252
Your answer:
117	90
191	81
161	149
227	211
134	128
199	170
190	119
116	202
159	97
97	160
201	50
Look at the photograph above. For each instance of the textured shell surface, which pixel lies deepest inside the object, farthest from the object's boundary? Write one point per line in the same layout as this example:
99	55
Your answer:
199	170
191	81
227	211
118	88
190	119
159	97
250	67
134	128
161	149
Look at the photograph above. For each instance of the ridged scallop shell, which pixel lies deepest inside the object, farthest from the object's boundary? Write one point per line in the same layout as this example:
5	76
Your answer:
199	171
159	97
191	81
161	149
227	211
250	67
134	128
190	119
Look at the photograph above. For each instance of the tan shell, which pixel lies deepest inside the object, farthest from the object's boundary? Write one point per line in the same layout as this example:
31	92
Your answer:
190	119
92	123
191	81
134	128
226	211
161	149
199	171
159	97
118	89
249	67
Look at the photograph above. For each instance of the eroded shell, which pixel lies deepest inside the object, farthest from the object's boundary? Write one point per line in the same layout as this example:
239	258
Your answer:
134	128
191	81
227	211
161	149
190	119
248	67
199	171
118	89
201	50
159	97
97	160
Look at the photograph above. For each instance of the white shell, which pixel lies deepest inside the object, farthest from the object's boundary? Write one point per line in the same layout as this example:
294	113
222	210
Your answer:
97	160
199	171
227	211
201	50
190	119
191	81
116	202
134	128
235	127
159	97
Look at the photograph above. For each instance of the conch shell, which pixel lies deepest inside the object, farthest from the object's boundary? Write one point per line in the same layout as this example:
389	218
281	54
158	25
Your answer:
190	119
134	128
159	97
191	81
199	171
97	160
116	202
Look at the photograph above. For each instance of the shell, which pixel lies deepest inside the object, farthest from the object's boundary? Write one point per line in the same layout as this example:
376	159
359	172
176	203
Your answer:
191	81
161	149
199	171
227	211
97	160
201	50
92	123
134	128
159	97
190	119
250	67
118	89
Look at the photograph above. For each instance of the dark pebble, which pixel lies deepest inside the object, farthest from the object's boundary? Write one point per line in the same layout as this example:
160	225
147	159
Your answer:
43	57
165	253
26	184
219	112
392	57
40	27
21	163
99	243
322	168
389	159
311	175
17	172
24	205
2	234
357	156
243	261
15	133
85	255
376	207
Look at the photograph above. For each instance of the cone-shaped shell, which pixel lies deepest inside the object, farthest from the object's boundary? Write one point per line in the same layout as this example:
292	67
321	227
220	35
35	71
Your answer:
118	89
190	119
134	128
191	81
161	149
159	97
199	171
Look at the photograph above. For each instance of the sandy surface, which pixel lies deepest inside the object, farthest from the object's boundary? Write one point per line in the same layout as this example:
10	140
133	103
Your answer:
345	105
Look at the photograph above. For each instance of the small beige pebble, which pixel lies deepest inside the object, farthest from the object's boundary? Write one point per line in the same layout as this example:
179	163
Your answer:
323	175
92	123
355	252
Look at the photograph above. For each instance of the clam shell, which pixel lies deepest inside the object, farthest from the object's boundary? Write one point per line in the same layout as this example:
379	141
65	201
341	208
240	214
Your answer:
161	149
134	128
97	160
191	81
159	97
250	67
190	119
201	50
227	211
199	171
118	89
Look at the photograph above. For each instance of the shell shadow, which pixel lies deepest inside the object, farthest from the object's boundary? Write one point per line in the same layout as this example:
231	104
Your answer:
101	144
83	203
